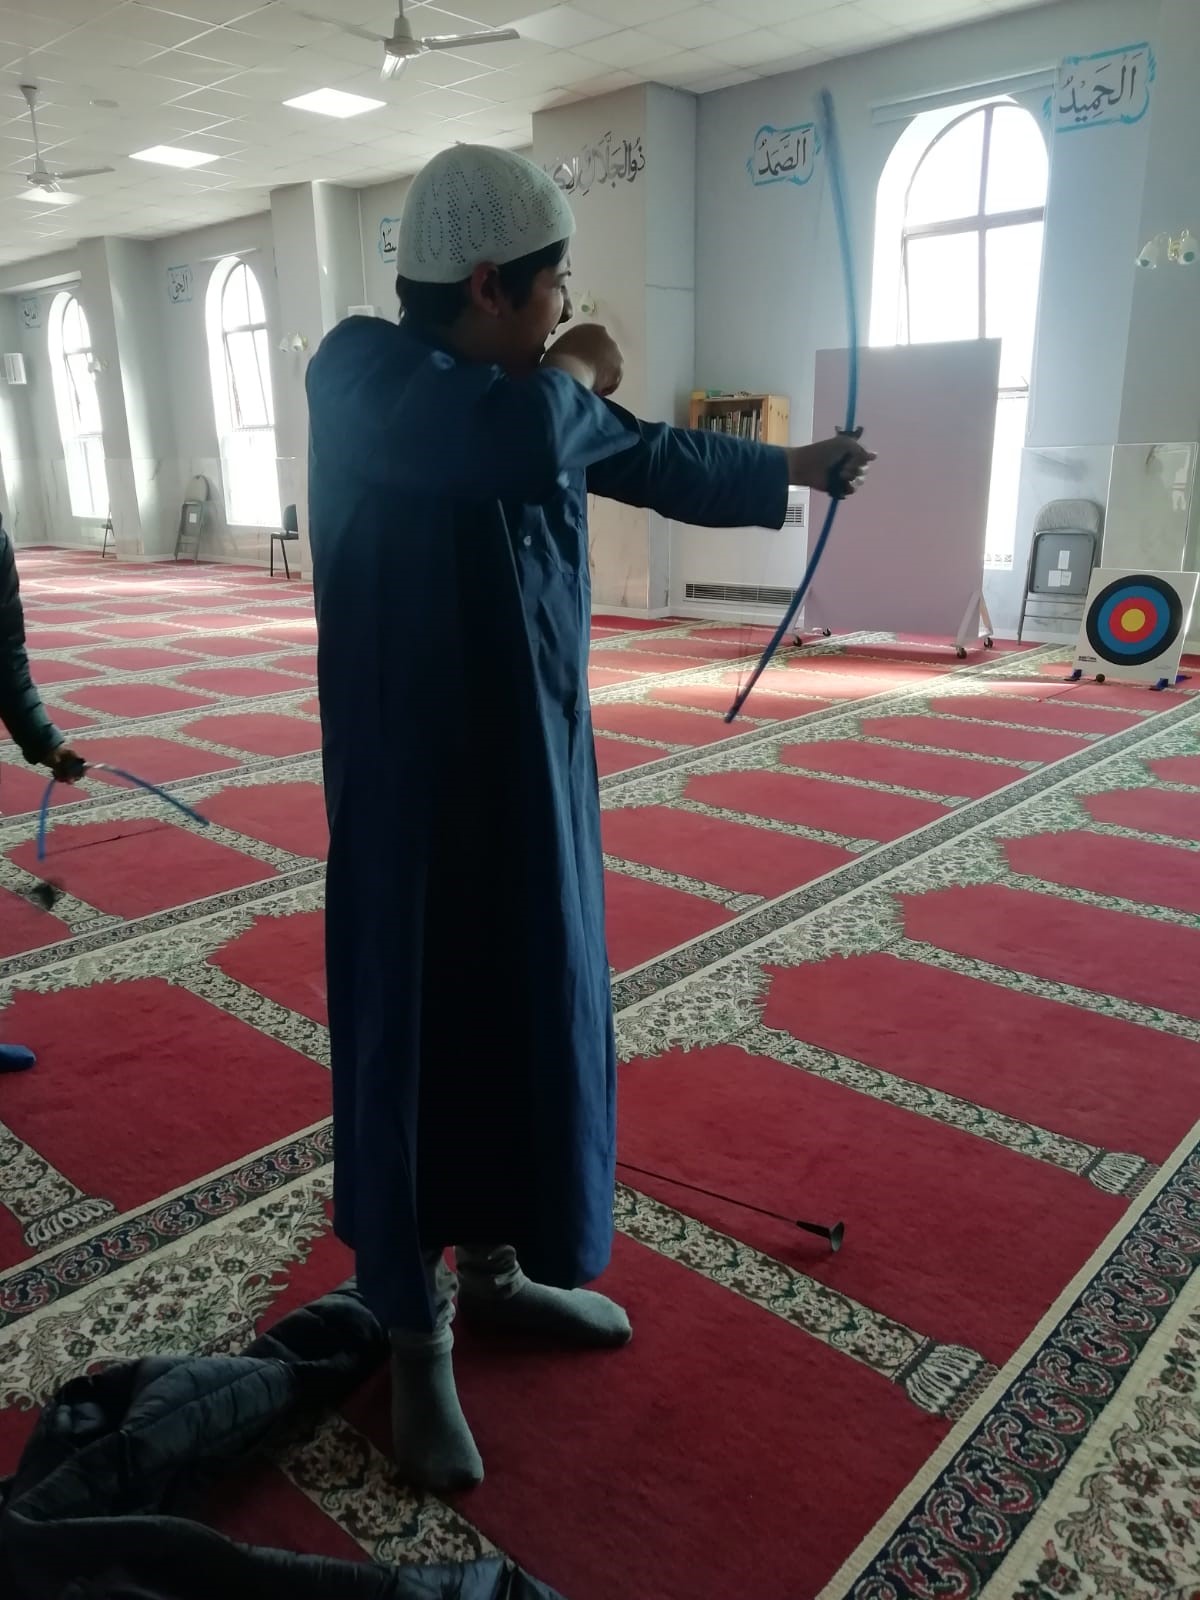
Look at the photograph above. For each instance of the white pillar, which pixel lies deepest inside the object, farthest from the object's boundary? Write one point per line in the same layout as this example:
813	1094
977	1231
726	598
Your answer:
318	266
627	161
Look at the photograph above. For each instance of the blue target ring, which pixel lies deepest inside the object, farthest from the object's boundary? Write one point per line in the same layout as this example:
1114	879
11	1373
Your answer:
1134	619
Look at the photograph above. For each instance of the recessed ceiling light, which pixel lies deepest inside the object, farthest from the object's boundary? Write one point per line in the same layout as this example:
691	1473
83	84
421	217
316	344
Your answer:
104	105
334	103
171	155
48	197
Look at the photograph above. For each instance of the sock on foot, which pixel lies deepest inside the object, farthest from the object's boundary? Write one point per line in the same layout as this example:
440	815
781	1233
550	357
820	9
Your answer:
16	1058
432	1443
573	1316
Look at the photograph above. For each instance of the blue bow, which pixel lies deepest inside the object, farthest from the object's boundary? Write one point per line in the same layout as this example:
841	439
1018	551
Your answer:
837	188
117	772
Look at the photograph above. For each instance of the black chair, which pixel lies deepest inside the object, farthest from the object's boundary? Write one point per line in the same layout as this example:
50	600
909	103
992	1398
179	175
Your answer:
288	534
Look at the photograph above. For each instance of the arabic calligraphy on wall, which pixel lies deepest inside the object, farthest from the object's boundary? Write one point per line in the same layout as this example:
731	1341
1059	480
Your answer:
608	161
31	312
179	285
389	233
1109	86
784	155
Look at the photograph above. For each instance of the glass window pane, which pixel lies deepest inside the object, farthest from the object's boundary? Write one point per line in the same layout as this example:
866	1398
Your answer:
263	357
252	478
1006	473
943	288
1013	265
254	299
75	328
1018	167
235	312
87	406
946	184
93	455
249	403
78	487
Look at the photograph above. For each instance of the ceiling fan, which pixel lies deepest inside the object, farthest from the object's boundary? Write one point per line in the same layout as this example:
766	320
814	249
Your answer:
43	177
402	45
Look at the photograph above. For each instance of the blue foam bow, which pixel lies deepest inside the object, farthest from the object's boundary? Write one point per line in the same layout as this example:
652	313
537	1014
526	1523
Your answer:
837	188
126	777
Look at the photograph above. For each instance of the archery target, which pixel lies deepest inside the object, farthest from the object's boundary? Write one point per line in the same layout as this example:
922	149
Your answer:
1135	623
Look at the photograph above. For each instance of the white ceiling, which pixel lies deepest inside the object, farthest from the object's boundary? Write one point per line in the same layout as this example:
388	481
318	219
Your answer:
212	74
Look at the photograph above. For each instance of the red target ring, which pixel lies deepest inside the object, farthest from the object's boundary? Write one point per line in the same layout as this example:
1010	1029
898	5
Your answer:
1132	621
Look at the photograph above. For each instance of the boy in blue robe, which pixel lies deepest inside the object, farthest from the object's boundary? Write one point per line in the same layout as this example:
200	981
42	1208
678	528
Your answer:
474	1073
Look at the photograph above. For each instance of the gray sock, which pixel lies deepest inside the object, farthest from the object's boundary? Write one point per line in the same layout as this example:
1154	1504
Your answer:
431	1441
494	1293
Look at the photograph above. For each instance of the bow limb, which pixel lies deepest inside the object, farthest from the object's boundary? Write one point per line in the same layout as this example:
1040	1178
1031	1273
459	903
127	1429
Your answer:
837	188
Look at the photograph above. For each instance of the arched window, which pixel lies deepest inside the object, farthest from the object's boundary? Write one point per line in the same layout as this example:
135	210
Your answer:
967	189
240	363
75	399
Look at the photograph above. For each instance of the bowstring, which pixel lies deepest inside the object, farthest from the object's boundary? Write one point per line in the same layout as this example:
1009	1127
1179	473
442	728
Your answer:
837	188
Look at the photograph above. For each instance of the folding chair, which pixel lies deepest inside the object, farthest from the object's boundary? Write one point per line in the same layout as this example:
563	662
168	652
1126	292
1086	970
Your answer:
1066	537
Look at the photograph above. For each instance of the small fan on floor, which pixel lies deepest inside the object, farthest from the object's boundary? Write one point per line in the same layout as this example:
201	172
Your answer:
402	45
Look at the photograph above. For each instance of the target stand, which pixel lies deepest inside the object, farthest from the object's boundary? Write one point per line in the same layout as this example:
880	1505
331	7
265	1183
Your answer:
1134	626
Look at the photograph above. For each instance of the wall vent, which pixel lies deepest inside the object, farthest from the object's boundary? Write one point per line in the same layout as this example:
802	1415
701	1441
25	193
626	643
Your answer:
796	514
14	368
742	594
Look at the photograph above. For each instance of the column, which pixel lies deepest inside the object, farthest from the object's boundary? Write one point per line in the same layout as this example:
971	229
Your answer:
318	265
627	162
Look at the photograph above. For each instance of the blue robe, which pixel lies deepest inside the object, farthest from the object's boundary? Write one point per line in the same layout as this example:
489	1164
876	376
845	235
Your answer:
474	1073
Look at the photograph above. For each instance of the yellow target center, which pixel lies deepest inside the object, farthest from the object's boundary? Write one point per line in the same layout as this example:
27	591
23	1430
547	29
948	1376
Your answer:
1133	620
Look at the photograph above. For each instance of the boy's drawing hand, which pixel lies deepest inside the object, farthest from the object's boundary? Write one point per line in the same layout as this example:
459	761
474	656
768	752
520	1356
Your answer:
591	355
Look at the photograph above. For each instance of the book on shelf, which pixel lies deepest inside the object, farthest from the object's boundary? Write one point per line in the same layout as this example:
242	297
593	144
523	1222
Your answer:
742	424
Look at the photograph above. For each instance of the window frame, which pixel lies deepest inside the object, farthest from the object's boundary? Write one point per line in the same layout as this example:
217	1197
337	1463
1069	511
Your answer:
83	447
230	406
981	224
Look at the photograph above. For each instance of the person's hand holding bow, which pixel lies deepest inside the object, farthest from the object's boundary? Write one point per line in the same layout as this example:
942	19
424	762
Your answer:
836	466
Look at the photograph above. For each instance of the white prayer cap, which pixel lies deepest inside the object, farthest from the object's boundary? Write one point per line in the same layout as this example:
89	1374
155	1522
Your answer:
473	203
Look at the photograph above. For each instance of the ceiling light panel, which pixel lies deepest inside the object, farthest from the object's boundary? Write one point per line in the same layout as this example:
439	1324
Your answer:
334	103
168	155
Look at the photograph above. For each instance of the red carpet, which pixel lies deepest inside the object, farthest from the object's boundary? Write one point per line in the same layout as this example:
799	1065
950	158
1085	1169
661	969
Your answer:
911	944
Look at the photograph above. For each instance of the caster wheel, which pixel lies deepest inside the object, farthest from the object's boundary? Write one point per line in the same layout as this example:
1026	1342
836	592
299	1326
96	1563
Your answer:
988	642
1099	677
960	652
826	632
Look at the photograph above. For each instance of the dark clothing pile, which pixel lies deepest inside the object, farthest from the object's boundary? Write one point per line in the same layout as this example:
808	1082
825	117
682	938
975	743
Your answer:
92	1511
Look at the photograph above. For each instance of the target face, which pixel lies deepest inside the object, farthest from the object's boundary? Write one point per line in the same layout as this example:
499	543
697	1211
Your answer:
1134	619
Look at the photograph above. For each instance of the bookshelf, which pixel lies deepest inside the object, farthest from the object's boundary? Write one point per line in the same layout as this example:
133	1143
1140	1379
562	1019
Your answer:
762	418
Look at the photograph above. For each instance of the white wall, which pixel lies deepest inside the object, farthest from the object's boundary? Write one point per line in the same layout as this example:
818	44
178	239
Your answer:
608	264
1161	398
337	212
670	294
30	443
21	497
380	201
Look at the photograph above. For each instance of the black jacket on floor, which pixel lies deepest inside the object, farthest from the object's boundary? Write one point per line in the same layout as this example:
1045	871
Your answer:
21	708
85	1517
